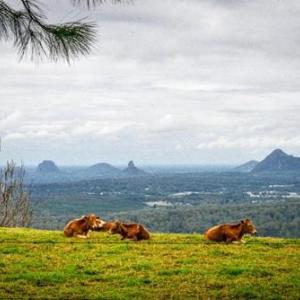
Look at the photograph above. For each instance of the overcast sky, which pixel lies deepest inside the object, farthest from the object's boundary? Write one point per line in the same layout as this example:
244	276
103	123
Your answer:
173	81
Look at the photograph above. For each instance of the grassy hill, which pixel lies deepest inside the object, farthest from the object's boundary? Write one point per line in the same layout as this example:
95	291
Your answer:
44	264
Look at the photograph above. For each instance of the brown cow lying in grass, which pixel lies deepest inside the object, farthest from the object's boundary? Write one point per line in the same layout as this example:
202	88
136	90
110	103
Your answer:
230	233
81	227
135	232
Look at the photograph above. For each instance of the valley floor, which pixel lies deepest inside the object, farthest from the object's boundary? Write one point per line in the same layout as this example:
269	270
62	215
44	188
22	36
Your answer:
44	264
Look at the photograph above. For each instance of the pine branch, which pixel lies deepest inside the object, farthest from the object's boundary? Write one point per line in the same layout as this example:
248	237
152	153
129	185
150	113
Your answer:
70	39
67	40
34	36
10	21
31	33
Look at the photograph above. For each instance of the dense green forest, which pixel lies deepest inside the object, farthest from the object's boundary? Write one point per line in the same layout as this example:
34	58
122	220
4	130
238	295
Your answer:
276	219
176	202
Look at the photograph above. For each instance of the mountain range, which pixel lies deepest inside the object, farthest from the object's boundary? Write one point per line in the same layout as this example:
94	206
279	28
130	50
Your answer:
47	172
276	161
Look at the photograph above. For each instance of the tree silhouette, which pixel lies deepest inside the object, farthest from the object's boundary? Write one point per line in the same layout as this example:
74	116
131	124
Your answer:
15	208
31	34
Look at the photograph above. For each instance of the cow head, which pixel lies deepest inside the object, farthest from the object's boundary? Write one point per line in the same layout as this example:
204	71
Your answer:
93	221
248	226
100	223
115	227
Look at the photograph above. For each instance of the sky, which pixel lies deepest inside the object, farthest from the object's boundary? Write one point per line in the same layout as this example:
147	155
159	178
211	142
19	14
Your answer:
168	82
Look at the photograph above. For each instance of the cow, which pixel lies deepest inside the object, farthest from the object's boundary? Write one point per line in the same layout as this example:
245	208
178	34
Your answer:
81	227
230	233
106	226
135	232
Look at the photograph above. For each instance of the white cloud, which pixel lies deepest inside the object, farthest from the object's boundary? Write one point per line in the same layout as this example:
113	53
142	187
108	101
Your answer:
243	143
169	81
10	120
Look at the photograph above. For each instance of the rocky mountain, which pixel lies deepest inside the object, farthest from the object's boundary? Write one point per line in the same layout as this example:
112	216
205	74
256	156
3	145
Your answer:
132	170
103	169
246	167
47	166
278	161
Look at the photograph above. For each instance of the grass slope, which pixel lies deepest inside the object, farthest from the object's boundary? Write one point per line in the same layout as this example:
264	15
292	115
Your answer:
44	264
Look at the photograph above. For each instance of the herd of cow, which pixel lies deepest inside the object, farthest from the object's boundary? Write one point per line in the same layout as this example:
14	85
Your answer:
221	233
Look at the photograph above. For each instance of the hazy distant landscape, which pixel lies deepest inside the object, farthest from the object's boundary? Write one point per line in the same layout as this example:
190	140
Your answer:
106	170
171	199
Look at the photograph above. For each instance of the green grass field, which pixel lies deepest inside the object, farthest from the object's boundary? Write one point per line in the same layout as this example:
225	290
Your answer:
44	264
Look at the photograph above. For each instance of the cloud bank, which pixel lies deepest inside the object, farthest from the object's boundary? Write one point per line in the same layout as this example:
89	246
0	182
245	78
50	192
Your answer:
168	82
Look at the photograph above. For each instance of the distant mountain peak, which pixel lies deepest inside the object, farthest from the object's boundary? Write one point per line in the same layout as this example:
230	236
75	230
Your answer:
131	164
47	166
278	161
278	152
133	170
103	169
101	165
